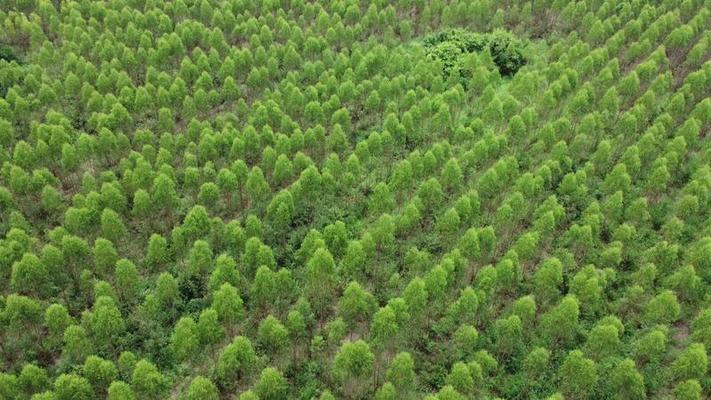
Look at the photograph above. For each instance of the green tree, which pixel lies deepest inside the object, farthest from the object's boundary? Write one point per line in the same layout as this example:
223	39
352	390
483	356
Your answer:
271	385
662	309
100	373
560	324
29	276
356	305
321	280
627	382
72	387
236	361
201	388
105	322
692	363
352	367
209	328
688	390
577	376
128	281
273	336
185	341
228	304
460	378
105	256
120	390
77	345
112	226
401	372
147	382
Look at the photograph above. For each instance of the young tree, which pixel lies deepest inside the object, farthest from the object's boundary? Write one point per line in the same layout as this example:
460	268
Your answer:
185	341
401	372
105	323
120	390
321	280
72	387
356	305
201	388
559	325
100	373
77	346
626	382
352	367
688	390
662	309
692	363
112	226
209	329
229	305
271	385
273	336
105	256
577	376
147	382
236	361
30	276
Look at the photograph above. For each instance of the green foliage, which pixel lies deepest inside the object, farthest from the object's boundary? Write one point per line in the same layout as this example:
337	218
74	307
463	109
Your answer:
450	48
354	200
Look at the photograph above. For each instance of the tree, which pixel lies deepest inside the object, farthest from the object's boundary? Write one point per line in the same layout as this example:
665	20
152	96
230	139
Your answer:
228	304
577	376
273	336
662	309
32	379
128	281
257	187
185	341
77	346
603	341
381	200
627	382
536	363
651	347
701	327
236	361
460	378
386	392
356	305
469	244
401	372
352	366
112	226
384	328
201	388
271	385
692	363
321	281
688	390
560	324
452	176
157	251
120	390
100	373
105	256
509	336
336	237
72	387
147	382
29	276
105	322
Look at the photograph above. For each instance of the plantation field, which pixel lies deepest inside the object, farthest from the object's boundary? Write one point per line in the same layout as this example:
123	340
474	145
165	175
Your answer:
390	200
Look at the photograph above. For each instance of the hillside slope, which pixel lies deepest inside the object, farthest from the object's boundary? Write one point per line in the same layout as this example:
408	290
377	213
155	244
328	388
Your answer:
228	199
